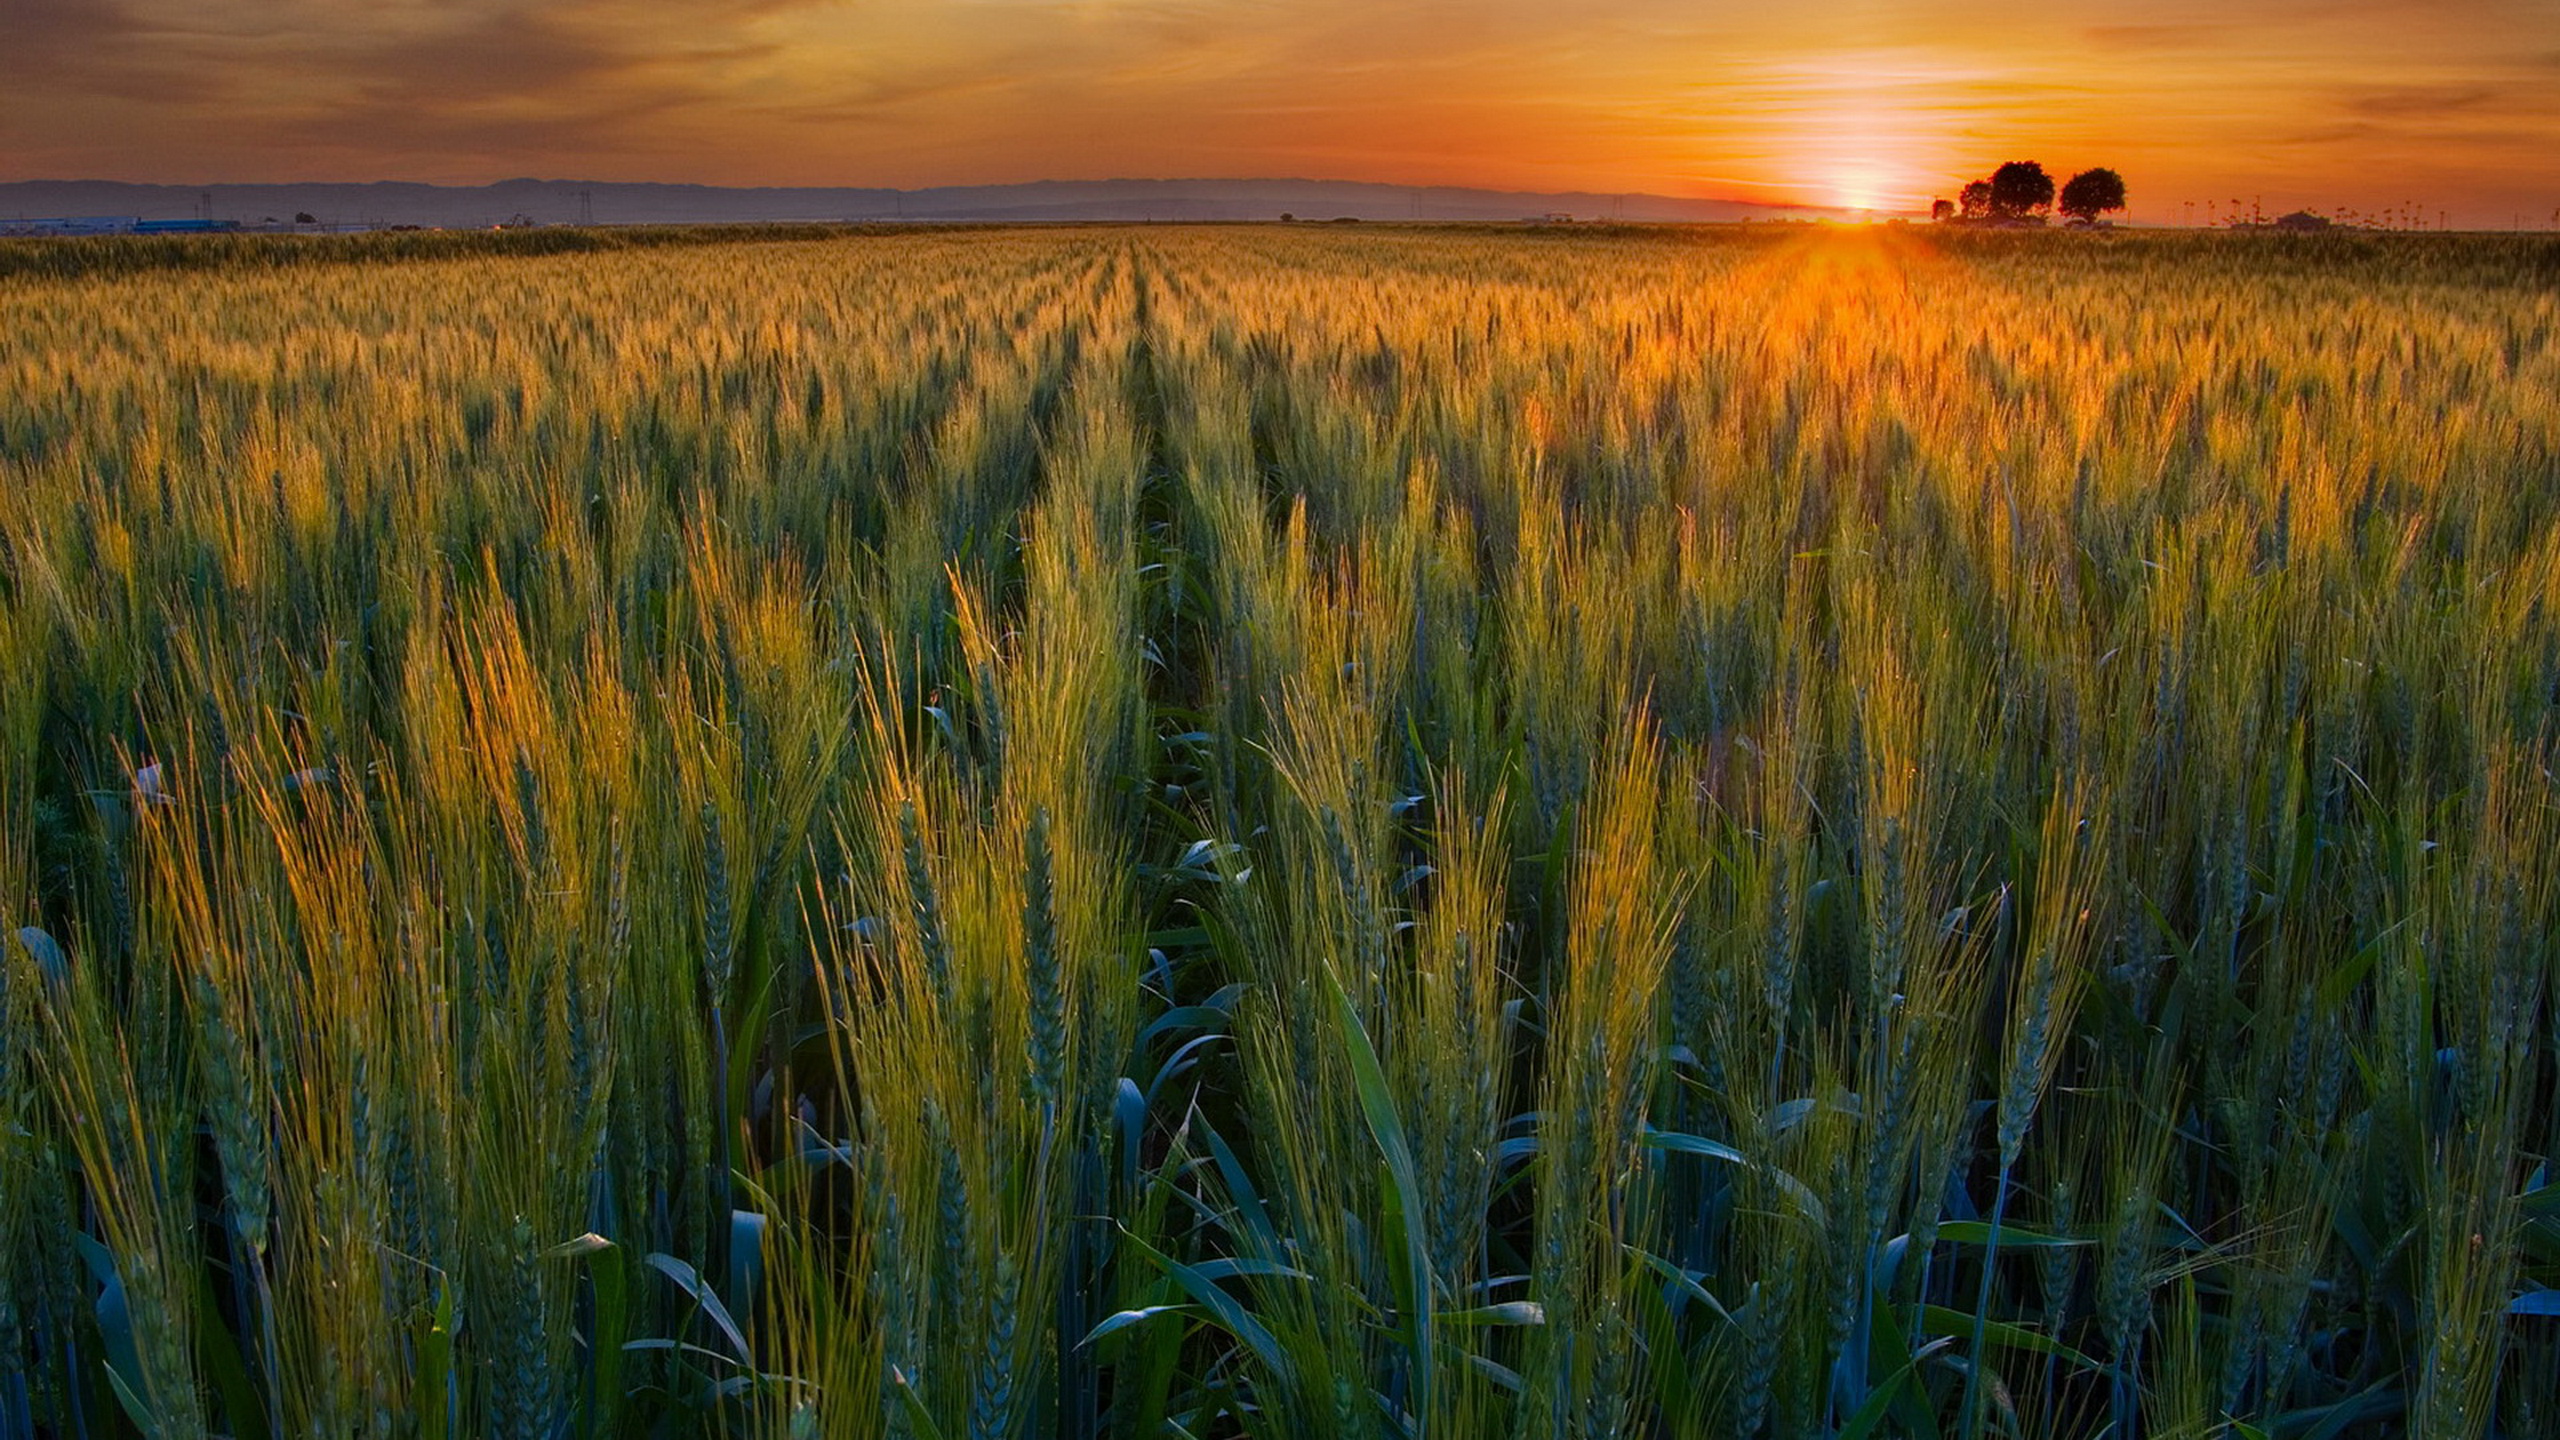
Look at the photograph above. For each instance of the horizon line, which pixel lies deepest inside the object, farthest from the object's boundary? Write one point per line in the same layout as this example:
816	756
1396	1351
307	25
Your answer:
1311	180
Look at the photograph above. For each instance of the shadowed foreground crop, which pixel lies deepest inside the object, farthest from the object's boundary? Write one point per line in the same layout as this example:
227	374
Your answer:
1157	833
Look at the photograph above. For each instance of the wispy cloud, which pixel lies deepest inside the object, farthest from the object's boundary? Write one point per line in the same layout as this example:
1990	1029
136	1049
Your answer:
2153	38
2422	100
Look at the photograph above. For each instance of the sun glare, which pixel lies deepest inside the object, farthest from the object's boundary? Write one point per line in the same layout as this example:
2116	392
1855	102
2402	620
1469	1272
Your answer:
1863	130
1858	185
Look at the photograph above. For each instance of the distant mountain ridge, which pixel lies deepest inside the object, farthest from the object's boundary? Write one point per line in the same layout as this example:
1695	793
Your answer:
553	202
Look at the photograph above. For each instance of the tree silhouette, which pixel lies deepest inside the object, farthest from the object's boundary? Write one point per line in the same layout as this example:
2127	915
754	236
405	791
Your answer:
2091	193
2020	188
1942	209
1976	199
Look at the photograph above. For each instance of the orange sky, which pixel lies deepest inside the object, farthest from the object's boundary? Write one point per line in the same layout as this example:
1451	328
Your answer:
2454	104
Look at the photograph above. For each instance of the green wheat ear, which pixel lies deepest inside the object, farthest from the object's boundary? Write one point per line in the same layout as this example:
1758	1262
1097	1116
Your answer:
719	942
1043	971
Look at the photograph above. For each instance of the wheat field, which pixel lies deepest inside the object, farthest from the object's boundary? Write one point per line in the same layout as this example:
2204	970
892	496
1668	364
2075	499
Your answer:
1280	832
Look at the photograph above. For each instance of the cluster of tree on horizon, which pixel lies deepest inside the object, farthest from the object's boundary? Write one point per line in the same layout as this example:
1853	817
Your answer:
2020	192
